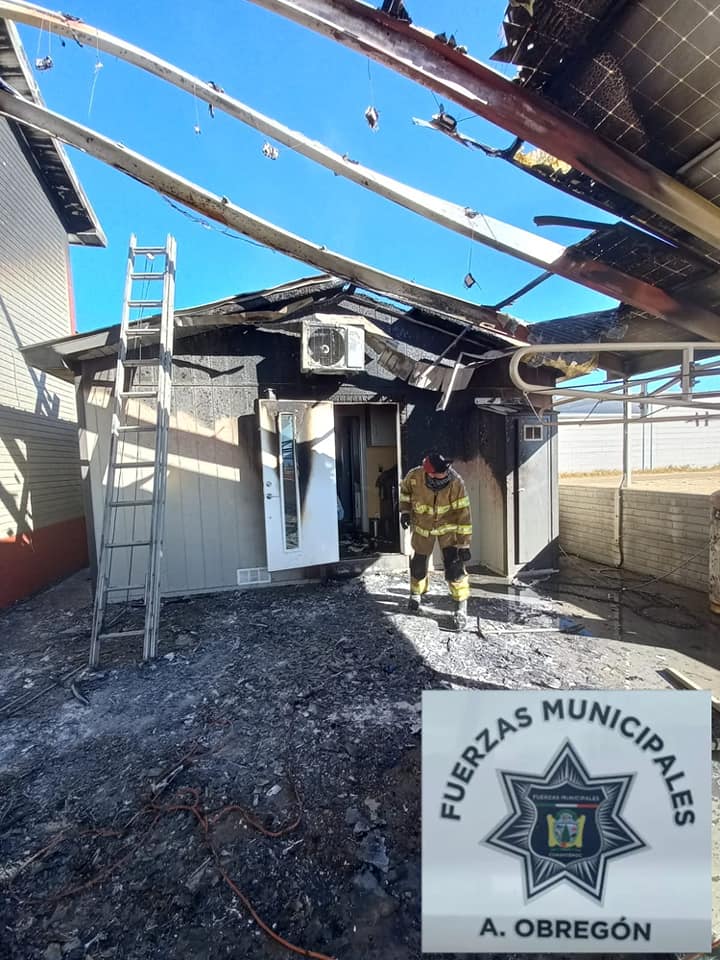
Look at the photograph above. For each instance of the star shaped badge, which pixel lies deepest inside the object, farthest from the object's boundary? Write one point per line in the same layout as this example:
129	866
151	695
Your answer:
565	825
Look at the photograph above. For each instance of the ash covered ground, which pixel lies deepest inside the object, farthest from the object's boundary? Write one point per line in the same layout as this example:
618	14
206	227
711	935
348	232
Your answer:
265	770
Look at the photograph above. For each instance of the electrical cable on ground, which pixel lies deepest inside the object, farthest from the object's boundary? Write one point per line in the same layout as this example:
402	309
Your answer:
187	801
650	600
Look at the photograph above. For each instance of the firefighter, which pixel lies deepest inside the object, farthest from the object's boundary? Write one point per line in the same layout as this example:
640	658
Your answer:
433	501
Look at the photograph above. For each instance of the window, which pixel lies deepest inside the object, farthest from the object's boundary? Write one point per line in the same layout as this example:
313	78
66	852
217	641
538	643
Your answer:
532	432
289	481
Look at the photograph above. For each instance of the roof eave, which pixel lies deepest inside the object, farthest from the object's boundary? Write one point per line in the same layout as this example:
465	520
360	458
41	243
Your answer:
15	66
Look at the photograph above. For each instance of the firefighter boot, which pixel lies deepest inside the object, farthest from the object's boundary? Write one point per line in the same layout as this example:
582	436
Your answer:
415	602
460	615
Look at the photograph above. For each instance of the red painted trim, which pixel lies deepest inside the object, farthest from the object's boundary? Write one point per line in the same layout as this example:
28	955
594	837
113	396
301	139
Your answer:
71	292
32	560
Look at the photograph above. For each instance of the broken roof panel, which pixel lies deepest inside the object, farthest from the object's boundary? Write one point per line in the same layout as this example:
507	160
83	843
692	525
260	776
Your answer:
276	308
643	256
644	76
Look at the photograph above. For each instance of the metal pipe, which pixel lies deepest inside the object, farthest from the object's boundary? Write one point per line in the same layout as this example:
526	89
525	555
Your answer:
571	222
686	376
223	211
642	420
523	290
419	55
539	349
539	251
626	452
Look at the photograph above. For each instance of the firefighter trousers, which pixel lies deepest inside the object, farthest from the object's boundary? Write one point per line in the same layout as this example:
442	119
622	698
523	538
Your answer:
455	573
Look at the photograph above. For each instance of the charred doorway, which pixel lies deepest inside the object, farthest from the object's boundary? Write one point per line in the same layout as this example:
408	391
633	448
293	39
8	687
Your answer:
367	455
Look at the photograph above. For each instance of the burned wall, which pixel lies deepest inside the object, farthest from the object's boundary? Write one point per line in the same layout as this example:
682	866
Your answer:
215	517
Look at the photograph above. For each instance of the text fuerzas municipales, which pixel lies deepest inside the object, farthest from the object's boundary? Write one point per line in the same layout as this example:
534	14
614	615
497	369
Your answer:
579	710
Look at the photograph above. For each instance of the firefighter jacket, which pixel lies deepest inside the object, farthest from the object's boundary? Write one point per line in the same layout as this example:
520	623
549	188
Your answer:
444	514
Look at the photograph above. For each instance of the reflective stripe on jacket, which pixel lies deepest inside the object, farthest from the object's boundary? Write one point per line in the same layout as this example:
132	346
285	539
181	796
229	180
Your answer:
442	513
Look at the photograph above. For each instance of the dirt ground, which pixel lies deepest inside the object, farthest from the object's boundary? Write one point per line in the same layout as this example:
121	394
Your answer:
672	481
265	770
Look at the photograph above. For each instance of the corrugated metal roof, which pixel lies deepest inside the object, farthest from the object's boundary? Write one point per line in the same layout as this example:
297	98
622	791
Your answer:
51	162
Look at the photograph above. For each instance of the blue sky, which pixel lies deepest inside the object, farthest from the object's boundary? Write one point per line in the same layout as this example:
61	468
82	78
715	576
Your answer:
322	89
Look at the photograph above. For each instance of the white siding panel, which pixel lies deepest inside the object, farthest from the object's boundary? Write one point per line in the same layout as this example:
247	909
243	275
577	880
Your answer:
214	521
597	446
39	459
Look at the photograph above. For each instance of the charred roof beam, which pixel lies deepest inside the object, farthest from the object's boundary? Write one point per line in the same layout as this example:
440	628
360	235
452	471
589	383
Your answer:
417	54
506	238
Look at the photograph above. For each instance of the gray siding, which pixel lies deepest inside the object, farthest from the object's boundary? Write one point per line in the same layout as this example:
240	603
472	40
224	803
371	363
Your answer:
589	522
39	464
668	533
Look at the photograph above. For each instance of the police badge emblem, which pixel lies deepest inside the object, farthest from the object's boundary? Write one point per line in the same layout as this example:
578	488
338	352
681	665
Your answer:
565	825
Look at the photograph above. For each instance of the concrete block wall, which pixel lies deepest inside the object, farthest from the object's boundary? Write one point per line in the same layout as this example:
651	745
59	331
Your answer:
649	532
663	530
589	522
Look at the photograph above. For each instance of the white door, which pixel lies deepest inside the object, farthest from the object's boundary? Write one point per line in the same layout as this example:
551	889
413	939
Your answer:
299	491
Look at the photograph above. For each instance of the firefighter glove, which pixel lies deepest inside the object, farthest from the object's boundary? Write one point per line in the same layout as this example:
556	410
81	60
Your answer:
405	520
464	554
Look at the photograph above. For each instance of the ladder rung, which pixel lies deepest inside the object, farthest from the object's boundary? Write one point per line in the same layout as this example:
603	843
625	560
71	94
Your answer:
137	428
149	362
131	503
125	464
142	250
130	543
142	331
121	633
138	393
137	304
148	276
130	586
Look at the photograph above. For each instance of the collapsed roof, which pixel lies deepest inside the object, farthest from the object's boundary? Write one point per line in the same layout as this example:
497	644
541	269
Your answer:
281	309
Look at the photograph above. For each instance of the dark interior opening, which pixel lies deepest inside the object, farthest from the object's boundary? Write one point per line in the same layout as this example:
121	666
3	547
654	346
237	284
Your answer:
366	451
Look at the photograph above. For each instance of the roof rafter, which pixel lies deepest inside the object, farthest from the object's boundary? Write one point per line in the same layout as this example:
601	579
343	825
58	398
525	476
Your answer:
504	237
221	210
422	57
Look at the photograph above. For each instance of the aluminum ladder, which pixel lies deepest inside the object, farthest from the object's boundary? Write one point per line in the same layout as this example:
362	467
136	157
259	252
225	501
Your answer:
139	331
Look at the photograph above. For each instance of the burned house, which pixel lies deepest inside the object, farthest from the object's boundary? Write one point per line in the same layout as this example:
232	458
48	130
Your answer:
295	412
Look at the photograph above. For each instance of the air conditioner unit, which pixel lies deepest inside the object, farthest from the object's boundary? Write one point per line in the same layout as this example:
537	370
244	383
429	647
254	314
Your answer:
332	344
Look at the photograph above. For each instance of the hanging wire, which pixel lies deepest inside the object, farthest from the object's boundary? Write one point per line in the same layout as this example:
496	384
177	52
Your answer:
470	280
96	73
46	62
197	128
372	114
370	81
41	34
207	225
